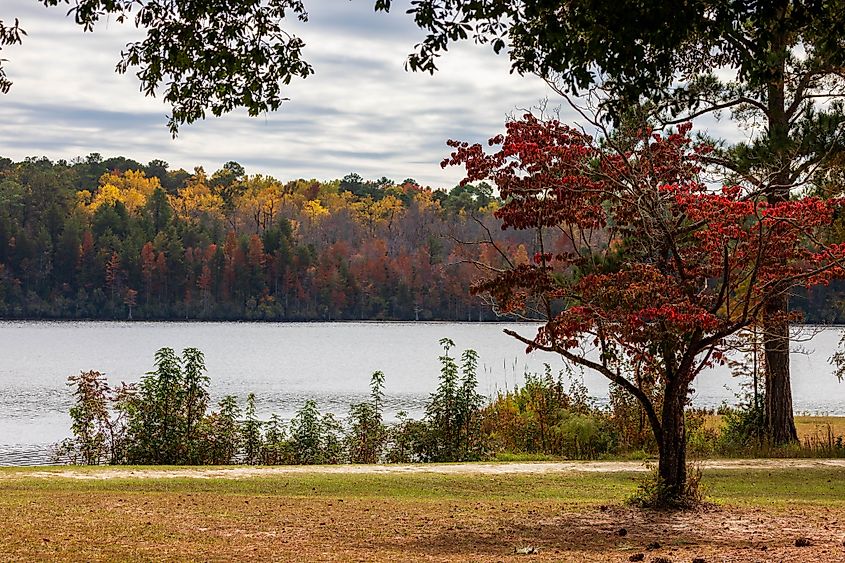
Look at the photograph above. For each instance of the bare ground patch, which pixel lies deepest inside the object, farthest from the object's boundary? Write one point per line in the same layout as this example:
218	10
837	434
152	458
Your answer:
115	526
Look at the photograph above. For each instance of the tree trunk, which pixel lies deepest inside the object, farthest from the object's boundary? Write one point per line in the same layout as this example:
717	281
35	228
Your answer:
672	467
780	423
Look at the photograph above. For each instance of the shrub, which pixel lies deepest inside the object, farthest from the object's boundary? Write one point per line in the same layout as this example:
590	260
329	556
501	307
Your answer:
652	493
453	412
165	415
542	417
93	432
628	420
367	434
702	439
314	438
582	436
409	440
742	427
222	439
251	438
274	446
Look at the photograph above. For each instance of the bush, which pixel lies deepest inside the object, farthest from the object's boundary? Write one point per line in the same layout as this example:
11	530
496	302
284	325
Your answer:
165	416
743	427
629	422
702	440
367	434
541	417
97	438
582	436
166	419
453	413
273	449
314	438
251	438
219	436
409	441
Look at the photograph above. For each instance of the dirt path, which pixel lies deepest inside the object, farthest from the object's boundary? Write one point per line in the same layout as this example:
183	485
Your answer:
445	469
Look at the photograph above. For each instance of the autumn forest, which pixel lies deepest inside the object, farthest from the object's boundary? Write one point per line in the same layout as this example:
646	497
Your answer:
115	239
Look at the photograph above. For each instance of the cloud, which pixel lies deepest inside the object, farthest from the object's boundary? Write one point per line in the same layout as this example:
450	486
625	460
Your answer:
361	111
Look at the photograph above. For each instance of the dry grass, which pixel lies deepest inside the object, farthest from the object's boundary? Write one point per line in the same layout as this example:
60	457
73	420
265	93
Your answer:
812	426
417	517
807	426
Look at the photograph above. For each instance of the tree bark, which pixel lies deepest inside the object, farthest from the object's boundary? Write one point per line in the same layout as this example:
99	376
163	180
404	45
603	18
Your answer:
672	467
780	423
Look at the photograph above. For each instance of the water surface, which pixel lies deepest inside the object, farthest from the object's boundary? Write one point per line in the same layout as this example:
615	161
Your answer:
286	363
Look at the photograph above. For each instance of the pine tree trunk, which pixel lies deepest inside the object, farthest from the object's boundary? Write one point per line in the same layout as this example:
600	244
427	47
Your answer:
672	467
779	417
780	423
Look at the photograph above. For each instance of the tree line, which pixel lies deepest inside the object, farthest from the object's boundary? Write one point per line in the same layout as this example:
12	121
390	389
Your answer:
114	239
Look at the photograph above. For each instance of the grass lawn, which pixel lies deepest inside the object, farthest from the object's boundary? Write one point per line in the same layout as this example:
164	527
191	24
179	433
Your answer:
755	515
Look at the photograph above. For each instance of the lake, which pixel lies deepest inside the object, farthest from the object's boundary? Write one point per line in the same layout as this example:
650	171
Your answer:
286	363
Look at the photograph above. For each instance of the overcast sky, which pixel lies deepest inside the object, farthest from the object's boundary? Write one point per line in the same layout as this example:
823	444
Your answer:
361	112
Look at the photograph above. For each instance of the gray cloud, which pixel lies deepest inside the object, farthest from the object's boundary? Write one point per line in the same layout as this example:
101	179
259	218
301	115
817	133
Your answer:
360	112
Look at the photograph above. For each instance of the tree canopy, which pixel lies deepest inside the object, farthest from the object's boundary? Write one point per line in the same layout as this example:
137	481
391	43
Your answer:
199	55
107	238
655	270
657	50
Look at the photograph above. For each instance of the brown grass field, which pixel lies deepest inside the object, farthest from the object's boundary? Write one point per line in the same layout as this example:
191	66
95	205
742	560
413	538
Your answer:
756	511
809	426
812	428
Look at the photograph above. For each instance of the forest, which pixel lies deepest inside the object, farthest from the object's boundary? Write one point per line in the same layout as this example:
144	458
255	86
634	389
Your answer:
115	239
111	238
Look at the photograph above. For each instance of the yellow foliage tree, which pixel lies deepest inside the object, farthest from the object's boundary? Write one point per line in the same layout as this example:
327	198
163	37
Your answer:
425	201
387	209
132	188
197	199
373	213
261	200
314	210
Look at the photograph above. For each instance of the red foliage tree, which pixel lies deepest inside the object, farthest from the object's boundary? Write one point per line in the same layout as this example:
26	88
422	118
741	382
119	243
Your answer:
114	274
148	262
663	268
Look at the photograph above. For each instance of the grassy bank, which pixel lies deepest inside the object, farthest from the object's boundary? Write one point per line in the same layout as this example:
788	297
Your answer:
415	516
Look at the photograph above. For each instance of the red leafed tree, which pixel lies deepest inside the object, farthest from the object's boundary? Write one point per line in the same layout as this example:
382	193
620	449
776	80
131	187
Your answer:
148	260
663	269
114	274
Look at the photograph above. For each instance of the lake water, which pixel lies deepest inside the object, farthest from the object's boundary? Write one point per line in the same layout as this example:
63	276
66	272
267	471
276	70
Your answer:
286	363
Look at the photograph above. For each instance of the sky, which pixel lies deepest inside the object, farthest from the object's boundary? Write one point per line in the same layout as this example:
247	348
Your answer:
360	112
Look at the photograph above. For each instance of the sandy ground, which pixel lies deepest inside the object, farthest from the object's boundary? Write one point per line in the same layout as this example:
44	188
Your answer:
445	469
